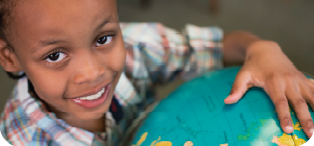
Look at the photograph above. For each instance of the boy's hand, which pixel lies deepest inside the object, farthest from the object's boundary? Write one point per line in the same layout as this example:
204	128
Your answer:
267	67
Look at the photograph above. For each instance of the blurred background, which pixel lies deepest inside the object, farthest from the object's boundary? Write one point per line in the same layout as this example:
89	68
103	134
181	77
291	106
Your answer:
288	22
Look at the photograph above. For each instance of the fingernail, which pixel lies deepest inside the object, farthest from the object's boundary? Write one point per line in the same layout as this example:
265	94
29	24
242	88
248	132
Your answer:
311	130
310	126
289	126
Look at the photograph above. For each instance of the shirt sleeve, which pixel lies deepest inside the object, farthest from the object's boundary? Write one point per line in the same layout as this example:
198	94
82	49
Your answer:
145	60
159	54
205	50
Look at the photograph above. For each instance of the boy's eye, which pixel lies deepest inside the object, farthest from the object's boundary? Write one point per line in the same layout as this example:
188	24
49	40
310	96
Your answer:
103	40
55	57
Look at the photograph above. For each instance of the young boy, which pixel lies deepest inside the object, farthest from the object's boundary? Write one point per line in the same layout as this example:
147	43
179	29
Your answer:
73	55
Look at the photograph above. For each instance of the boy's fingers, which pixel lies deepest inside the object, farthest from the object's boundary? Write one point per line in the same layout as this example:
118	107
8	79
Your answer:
239	87
301	108
309	96
310	83
275	90
282	108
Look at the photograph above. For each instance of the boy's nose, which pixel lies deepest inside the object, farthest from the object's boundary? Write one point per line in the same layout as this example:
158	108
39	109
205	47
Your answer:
88	71
90	75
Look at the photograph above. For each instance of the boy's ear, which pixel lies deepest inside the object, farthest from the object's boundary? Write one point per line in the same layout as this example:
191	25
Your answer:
8	59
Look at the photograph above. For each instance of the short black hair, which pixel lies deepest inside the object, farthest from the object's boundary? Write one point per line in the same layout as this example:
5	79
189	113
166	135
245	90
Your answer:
5	11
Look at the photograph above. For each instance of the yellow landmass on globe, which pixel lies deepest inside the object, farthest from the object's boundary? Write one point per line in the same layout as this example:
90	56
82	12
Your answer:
223	144
288	140
158	142
298	141
142	139
297	126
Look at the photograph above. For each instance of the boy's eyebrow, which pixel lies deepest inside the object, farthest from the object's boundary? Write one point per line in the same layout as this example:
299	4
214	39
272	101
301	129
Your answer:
102	24
107	20
44	43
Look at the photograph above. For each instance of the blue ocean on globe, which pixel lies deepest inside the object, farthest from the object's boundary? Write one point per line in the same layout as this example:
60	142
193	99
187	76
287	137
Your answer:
195	114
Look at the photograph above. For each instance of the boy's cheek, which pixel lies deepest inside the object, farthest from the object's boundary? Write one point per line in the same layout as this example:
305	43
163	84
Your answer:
48	86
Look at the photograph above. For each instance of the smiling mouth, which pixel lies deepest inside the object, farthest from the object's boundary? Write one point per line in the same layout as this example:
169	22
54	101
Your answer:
95	100
93	97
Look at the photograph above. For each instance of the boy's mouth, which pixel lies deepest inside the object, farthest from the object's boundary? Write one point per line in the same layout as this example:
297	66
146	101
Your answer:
93	97
92	101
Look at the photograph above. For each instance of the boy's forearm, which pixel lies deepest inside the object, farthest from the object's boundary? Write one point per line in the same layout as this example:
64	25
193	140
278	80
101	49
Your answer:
237	47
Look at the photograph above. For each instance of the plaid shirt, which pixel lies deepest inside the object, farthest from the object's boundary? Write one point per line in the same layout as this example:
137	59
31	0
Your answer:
154	53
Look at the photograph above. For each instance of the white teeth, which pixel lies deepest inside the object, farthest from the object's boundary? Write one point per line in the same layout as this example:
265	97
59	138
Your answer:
93	97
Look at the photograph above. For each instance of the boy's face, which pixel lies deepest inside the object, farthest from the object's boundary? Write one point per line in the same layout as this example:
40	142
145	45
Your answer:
70	49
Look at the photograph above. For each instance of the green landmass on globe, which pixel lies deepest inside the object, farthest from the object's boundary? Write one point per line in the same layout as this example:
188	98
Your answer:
195	114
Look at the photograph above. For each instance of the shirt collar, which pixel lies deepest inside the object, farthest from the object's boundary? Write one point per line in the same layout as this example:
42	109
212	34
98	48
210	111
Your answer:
57	129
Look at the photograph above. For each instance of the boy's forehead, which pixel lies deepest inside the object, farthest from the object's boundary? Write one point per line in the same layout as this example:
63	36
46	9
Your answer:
59	8
35	17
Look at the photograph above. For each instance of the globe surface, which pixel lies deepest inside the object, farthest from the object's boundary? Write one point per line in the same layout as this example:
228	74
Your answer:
195	114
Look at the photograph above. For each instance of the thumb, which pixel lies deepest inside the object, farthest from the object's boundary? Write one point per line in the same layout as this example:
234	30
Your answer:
239	87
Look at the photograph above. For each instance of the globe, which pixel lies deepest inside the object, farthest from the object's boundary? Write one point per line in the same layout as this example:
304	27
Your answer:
195	114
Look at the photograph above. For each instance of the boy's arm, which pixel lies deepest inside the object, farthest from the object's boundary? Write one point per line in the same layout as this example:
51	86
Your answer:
266	66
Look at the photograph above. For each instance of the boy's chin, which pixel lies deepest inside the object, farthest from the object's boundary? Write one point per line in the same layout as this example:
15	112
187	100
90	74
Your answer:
98	113
90	115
